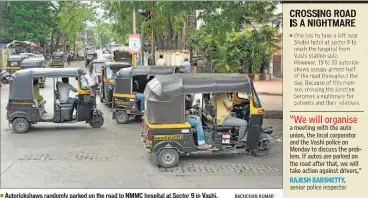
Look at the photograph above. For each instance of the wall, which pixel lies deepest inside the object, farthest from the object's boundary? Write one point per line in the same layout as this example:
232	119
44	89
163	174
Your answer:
173	57
3	57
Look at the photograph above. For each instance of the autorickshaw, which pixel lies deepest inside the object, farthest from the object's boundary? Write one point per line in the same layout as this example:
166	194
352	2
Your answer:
97	65
167	135
14	63
122	56
24	110
90	56
57	59
130	81
109	70
35	63
108	56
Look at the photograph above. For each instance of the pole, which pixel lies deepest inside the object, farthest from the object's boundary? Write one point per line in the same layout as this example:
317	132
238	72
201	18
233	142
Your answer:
142	46
153	37
101	41
74	47
134	32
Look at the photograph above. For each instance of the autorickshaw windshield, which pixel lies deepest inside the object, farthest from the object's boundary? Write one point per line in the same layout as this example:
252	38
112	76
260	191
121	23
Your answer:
98	67
111	72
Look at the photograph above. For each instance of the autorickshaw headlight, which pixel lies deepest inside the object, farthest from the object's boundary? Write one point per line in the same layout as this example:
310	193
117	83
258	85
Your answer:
131	100
13	64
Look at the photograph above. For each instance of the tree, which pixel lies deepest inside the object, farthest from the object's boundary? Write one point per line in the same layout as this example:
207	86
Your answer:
104	34
72	19
24	20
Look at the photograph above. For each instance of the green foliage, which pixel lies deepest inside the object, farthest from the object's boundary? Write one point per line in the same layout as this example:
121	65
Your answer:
72	19
27	20
104	33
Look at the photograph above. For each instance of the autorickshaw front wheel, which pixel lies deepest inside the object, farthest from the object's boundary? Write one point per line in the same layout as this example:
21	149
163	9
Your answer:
98	122
20	125
168	158
121	117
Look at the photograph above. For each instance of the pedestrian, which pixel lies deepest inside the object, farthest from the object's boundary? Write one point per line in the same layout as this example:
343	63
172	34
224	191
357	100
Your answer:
69	57
92	79
187	65
161	60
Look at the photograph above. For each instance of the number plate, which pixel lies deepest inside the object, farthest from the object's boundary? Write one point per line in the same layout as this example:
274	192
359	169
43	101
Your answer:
226	139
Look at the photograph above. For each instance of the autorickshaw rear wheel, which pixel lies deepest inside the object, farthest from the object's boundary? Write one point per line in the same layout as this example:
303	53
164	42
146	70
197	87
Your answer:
264	147
121	117
168	158
20	125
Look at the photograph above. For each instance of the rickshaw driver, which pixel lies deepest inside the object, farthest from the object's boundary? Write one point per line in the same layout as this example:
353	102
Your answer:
224	109
64	89
140	97
195	121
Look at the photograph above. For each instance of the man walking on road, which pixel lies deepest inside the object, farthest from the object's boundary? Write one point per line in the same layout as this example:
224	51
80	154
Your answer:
161	60
187	65
93	79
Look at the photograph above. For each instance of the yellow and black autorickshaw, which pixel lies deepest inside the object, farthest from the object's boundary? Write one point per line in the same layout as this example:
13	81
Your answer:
132	81
167	135
122	55
57	60
90	56
109	70
97	65
24	108
14	63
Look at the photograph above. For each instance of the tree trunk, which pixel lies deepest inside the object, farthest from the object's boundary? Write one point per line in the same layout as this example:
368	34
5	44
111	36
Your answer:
57	39
170	33
52	41
74	47
179	40
184	35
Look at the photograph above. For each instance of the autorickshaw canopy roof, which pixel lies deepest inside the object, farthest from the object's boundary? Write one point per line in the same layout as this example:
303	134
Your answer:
163	88
58	54
145	70
116	64
99	60
15	58
21	81
33	62
91	53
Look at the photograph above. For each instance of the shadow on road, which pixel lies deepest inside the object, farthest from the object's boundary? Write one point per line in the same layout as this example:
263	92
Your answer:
61	128
273	114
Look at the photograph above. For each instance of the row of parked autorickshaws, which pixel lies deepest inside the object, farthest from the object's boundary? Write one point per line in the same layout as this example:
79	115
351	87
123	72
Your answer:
166	89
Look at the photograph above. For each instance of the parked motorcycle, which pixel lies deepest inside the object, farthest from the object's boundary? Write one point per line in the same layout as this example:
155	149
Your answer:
4	76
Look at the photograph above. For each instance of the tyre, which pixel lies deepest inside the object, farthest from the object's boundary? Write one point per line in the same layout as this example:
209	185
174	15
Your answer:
99	123
168	158
264	147
121	117
20	125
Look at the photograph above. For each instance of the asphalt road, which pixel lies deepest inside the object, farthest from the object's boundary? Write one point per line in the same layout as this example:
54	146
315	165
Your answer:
78	156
